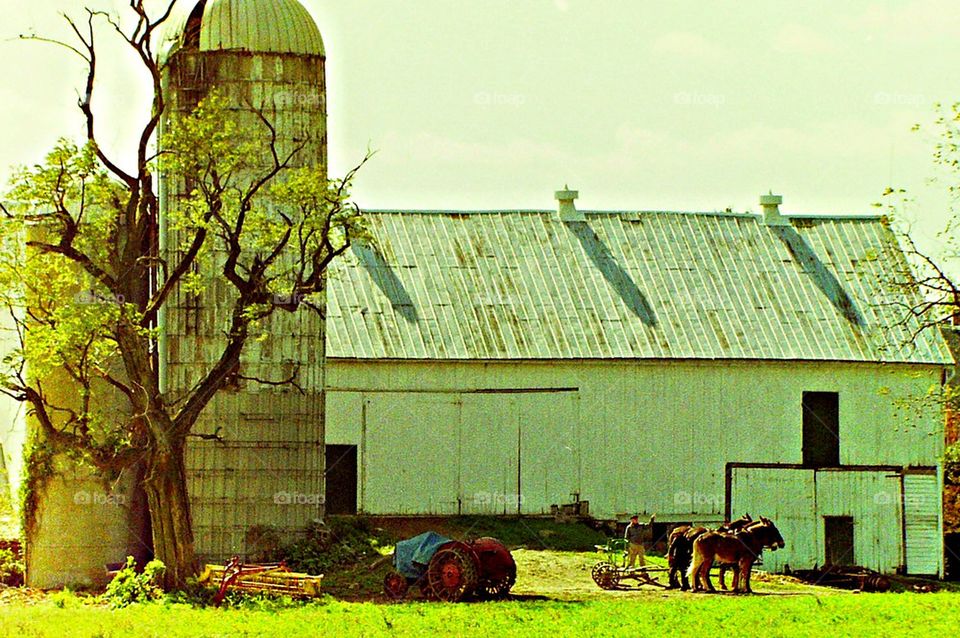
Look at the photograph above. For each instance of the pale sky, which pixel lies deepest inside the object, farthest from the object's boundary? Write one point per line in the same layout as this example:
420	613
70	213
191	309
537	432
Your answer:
640	105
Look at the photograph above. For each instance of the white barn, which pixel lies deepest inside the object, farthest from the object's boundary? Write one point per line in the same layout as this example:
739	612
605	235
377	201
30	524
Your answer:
692	365
696	365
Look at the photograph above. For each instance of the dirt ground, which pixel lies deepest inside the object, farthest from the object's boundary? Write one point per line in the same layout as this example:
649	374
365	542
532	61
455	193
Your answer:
566	576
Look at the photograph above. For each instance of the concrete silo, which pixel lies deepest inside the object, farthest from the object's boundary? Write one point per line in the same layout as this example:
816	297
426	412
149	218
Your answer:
266	470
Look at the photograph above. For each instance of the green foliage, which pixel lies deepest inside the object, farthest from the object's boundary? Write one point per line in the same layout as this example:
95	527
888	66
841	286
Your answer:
326	546
300	209
200	596
129	587
11	568
66	599
37	468
194	594
951	465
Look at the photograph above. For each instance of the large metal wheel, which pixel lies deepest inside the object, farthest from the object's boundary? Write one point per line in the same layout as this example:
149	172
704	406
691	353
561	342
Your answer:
395	585
452	574
499	589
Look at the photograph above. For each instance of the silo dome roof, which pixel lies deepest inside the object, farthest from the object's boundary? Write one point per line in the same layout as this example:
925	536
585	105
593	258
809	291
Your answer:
263	26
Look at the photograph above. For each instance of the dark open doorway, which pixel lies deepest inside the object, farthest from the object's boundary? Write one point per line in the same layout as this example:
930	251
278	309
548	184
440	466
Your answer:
821	429
341	480
838	540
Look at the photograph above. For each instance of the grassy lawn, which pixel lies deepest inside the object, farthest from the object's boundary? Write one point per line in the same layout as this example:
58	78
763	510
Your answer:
554	596
639	614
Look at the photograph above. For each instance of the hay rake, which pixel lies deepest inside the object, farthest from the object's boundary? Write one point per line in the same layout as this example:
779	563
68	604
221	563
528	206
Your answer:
274	579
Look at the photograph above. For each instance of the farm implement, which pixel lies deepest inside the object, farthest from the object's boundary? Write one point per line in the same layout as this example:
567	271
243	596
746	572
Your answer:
613	573
274	579
449	570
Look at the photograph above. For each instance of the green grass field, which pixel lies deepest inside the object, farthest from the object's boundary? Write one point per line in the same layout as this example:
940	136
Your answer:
639	615
554	596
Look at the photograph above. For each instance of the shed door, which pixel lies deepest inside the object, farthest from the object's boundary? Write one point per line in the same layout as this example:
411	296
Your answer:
488	454
410	453
549	450
921	515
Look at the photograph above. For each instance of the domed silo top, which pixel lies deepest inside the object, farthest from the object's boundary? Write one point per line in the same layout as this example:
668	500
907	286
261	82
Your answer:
257	26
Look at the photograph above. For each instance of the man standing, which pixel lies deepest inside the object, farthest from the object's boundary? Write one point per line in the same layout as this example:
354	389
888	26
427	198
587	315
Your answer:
634	536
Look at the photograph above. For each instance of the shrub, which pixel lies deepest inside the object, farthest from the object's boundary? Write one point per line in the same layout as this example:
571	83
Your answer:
951	465
325	546
11	568
129	587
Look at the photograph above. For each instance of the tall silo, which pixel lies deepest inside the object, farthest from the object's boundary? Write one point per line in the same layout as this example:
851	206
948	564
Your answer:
267	468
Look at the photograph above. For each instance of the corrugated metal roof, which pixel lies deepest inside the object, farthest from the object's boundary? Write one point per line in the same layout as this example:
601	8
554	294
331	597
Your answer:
524	285
264	26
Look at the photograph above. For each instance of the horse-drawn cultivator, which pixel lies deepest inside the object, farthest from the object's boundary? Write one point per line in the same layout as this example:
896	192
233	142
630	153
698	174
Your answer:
612	573
692	552
449	570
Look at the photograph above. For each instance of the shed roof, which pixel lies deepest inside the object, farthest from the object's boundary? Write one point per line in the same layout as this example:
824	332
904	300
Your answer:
627	285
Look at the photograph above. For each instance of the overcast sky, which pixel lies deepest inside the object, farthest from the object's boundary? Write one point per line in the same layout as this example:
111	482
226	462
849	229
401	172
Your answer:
640	105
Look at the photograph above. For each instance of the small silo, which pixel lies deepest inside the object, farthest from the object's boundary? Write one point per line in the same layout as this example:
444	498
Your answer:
266	469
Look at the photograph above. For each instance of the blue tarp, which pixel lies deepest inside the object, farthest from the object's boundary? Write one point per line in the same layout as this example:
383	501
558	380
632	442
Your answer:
411	556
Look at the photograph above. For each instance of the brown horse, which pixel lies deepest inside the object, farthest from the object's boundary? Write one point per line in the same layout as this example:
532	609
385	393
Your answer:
742	549
680	549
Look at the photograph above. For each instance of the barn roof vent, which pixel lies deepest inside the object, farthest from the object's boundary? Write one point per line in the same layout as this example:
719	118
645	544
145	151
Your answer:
567	209
771	210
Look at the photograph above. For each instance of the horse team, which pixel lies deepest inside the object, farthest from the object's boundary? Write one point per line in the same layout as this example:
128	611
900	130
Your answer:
737	545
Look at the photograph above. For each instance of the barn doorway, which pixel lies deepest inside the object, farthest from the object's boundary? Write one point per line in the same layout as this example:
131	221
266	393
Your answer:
341	480
838	540
821	429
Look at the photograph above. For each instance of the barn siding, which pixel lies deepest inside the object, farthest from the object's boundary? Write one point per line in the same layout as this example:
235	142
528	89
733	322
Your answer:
653	436
788	497
799	499
872	499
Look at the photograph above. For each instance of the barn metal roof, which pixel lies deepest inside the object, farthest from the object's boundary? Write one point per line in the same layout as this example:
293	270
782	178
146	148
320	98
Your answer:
647	285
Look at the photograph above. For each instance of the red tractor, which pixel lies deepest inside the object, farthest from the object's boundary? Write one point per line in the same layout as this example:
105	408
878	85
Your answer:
450	570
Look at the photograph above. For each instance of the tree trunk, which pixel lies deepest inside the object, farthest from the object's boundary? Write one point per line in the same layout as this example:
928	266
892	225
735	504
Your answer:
166	488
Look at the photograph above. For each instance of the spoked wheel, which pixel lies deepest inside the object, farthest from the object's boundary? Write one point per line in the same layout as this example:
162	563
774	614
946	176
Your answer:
597	570
606	576
452	574
499	589
395	586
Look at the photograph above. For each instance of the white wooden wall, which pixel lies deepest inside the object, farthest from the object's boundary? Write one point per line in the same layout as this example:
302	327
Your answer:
647	436
797	500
